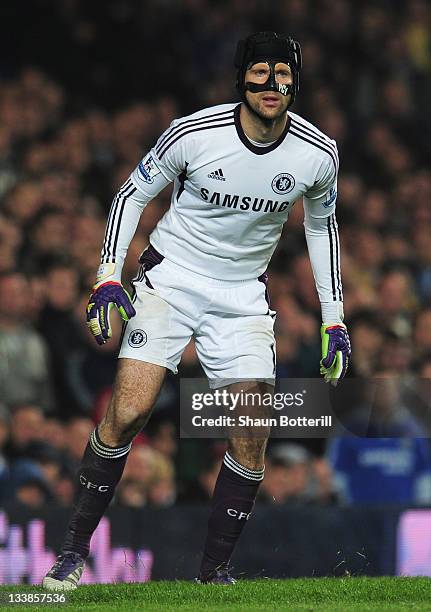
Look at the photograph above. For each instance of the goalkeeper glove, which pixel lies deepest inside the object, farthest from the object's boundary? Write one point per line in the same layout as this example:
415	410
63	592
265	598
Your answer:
103	298
336	352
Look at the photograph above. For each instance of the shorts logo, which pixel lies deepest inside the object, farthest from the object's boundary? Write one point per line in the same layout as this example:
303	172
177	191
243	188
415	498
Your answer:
283	183
331	196
137	338
148	169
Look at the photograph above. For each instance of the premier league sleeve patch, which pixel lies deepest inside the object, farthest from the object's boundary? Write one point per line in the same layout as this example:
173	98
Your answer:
147	170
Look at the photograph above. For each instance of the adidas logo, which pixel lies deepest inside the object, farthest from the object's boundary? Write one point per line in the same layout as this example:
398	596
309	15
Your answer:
217	174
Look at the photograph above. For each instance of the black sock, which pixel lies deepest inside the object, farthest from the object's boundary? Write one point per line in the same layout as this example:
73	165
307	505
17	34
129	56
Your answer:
99	473
233	501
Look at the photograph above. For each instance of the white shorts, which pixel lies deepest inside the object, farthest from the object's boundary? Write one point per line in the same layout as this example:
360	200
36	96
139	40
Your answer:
230	321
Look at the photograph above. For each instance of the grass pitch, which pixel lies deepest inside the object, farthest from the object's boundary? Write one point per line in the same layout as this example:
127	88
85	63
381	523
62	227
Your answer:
265	595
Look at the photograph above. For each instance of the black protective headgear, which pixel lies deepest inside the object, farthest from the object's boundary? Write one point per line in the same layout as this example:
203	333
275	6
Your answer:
267	47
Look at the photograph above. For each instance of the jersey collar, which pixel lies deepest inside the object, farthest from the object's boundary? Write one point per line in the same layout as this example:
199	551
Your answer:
253	148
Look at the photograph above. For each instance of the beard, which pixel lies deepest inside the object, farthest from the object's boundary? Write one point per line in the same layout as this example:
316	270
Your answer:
267	116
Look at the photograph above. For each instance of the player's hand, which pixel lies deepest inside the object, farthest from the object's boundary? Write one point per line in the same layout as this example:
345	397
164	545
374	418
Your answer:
336	352
101	301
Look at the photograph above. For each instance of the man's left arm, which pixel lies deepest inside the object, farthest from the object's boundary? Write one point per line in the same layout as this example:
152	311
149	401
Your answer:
321	232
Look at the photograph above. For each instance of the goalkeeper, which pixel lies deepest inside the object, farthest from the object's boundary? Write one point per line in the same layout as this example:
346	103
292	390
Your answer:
238	169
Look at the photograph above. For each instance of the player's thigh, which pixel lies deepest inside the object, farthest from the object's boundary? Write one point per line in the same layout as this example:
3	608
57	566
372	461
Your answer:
136	388
237	348
162	326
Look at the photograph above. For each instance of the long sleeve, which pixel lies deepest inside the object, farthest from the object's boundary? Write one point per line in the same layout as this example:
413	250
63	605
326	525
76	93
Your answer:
321	232
156	170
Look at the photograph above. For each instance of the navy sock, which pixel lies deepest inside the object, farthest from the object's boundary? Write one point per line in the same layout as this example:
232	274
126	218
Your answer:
233	501
99	473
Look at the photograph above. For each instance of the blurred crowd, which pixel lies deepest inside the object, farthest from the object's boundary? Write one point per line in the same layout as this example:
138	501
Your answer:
39	455
100	88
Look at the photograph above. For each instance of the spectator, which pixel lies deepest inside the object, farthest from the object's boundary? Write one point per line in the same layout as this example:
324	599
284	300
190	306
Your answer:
33	493
48	459
286	474
27	484
78	431
397	301
54	432
202	488
392	464
148	478
422	333
4	433
382	470
322	489
26	425
367	338
161	488
24	371
47	233
141	465
65	487
131	493
57	314
163	438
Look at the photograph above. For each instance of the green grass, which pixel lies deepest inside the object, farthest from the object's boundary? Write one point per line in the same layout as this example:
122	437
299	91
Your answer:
305	594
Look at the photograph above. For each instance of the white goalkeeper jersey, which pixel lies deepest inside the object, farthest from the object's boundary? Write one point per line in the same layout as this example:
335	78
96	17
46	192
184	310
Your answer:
231	198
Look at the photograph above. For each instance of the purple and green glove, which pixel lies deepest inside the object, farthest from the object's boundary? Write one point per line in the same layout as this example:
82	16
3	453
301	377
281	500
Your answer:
336	352
101	301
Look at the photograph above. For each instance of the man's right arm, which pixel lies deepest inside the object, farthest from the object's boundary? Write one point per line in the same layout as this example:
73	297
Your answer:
147	180
126	209
164	162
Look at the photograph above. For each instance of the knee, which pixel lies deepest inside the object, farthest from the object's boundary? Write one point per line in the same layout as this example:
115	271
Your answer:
121	423
249	452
